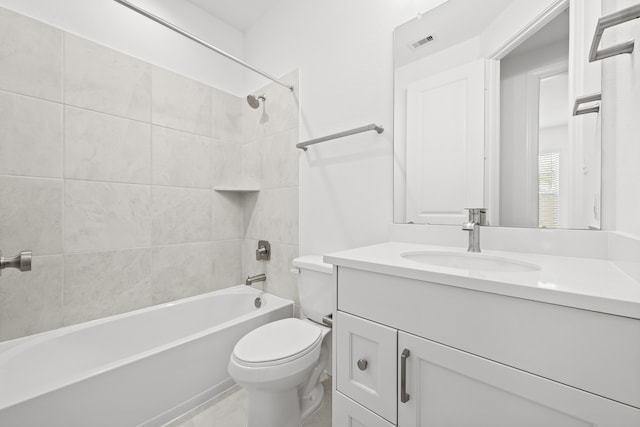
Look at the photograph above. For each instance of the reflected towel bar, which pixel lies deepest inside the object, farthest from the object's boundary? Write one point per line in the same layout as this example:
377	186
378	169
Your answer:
584	100
608	21
200	41
304	145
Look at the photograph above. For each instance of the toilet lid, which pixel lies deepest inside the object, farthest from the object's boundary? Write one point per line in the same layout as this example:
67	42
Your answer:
283	339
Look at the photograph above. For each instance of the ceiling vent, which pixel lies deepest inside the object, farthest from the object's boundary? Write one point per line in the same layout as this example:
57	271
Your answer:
423	41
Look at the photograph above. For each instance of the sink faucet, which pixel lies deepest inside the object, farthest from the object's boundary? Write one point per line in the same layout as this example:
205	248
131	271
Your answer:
257	278
476	219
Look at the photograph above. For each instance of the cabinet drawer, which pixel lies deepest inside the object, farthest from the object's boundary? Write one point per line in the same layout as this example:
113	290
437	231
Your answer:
576	347
366	363
347	413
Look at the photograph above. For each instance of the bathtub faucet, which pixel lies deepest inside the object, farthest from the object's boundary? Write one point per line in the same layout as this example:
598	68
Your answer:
257	278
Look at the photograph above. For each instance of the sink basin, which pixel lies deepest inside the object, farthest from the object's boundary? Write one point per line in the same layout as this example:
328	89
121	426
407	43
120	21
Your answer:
470	261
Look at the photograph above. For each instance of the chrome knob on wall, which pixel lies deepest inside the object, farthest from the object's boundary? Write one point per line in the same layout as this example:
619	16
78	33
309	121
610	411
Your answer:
22	261
263	253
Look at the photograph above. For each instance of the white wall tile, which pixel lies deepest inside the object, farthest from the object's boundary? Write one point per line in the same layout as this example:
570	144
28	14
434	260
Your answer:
227	215
102	79
31	215
104	216
30	57
181	159
181	103
181	271
102	284
227	163
103	147
227	264
256	214
273	215
31	302
180	215
280	162
252	163
280	280
227	116
31	136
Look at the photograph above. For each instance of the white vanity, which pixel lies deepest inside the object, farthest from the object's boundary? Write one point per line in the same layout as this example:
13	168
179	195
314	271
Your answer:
420	342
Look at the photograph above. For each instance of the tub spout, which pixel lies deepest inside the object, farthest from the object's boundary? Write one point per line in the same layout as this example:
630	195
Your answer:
257	278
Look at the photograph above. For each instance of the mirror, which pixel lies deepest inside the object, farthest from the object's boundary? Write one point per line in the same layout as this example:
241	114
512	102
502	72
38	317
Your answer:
484	94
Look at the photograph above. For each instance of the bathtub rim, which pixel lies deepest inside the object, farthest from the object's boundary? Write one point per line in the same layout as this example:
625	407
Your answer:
33	340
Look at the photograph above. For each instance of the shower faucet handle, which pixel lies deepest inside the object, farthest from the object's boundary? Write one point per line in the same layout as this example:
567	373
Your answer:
22	261
263	253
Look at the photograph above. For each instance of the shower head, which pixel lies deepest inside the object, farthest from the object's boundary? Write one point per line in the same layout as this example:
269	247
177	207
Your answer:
254	102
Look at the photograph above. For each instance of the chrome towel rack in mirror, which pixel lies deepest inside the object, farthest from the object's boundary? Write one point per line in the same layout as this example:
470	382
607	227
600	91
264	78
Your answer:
609	21
304	145
584	100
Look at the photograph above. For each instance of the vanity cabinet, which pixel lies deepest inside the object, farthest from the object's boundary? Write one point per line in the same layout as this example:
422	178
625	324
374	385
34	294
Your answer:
476	359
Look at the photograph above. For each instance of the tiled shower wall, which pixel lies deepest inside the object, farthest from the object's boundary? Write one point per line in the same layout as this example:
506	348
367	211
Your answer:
271	159
107	170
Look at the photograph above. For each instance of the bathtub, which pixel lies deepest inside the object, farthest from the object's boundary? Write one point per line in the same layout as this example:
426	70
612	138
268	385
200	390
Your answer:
144	368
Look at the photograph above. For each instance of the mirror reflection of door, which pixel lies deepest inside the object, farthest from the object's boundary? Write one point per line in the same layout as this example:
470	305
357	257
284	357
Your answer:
445	115
534	129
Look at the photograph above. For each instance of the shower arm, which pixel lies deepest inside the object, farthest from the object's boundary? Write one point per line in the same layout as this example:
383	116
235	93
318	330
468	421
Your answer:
200	41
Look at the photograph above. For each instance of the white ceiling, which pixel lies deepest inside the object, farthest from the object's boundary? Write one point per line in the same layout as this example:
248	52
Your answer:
240	14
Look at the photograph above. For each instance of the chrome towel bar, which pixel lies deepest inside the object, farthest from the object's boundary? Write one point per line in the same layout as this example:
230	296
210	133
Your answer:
586	99
304	145
609	21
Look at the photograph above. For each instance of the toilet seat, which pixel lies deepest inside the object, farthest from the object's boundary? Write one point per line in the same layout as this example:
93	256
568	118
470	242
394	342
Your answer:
277	343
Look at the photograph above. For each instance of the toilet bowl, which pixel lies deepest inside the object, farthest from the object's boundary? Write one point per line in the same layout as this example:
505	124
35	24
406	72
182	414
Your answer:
280	363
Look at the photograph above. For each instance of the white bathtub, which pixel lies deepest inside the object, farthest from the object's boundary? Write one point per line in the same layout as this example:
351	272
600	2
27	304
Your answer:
145	367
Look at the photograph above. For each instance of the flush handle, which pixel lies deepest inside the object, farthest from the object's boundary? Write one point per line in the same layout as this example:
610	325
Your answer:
362	364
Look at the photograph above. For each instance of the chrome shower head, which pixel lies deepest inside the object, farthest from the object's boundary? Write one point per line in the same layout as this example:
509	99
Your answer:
254	102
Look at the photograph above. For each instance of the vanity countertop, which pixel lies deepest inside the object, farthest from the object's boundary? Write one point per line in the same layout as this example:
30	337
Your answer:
585	283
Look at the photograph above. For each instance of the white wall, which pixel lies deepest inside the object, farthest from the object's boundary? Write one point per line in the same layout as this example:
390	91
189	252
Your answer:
620	126
345	56
108	23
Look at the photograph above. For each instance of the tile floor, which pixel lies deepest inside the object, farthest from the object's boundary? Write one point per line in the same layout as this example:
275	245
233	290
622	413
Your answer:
229	410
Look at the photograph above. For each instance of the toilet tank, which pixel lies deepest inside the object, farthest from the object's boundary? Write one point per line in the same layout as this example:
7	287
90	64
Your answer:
315	287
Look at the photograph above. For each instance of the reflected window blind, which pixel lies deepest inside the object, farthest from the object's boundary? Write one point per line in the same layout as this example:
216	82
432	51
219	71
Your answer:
549	190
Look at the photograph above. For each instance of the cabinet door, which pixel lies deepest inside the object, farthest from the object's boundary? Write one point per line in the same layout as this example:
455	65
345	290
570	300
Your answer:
448	387
347	413
366	363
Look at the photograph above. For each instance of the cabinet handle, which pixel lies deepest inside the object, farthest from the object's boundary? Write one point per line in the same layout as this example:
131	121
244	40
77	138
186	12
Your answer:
404	396
362	364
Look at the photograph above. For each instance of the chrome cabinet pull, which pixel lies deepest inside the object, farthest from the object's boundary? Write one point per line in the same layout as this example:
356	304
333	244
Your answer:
404	396
362	364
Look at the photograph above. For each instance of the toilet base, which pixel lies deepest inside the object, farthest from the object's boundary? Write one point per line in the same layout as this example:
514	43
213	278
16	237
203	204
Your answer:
282	409
274	409
312	402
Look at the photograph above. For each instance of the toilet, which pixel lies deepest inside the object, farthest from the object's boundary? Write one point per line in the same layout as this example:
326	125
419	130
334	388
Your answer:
280	363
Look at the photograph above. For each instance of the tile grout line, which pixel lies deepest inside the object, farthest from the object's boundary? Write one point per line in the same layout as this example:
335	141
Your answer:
64	182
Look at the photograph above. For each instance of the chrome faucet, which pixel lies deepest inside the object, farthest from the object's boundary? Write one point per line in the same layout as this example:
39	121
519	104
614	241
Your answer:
257	278
477	217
